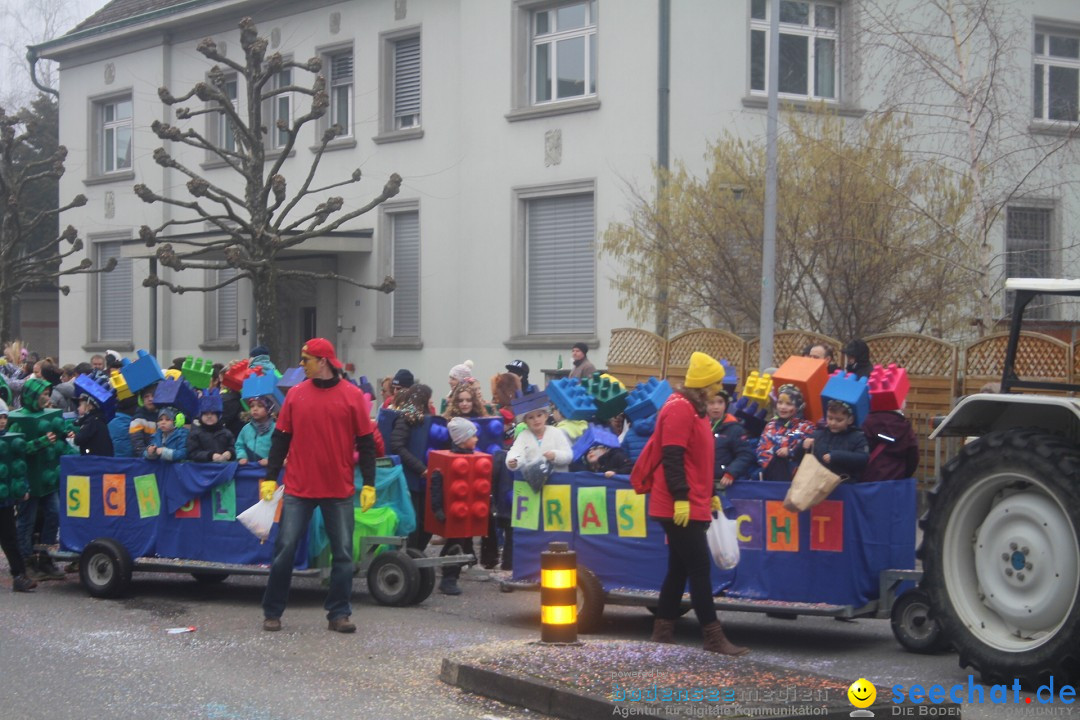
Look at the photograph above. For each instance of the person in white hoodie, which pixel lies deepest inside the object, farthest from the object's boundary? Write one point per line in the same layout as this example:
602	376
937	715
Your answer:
538	438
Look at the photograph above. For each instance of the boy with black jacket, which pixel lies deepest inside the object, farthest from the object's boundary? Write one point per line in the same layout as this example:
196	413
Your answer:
735	456
839	446
210	441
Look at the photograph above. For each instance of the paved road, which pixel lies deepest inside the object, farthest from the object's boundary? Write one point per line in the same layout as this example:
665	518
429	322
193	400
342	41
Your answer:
65	655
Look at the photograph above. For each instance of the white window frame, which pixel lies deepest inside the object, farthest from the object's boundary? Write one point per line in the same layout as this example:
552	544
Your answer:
550	41
1015	266
226	134
391	126
388	334
222	333
101	129
119	281
810	31
522	336
282	105
523	44
340	90
1043	65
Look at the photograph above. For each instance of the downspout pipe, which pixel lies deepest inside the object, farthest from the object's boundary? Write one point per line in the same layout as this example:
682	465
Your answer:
32	58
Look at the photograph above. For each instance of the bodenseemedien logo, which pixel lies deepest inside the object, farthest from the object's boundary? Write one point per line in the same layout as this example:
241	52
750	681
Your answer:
862	694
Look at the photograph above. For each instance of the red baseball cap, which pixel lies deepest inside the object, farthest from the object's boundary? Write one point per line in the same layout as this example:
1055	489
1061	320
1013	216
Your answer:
322	348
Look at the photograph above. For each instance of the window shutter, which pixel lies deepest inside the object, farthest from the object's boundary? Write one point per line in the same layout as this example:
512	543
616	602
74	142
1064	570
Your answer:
341	68
406	271
407	77
114	294
560	271
226	305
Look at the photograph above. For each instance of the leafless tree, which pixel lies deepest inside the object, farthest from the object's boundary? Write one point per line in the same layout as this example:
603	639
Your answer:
260	219
32	251
957	68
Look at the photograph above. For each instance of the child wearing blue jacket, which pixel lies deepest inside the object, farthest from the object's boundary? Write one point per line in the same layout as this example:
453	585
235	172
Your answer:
253	443
170	441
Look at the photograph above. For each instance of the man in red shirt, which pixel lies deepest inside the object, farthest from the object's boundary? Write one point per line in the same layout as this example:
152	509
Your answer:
323	421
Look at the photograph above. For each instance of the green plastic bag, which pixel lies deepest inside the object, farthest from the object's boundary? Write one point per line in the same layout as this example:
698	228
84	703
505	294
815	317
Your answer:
378	521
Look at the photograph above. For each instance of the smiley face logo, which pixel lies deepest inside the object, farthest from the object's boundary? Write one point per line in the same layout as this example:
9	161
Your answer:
862	693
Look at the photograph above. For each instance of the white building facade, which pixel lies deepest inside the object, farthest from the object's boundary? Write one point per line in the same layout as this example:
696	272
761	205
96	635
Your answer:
517	126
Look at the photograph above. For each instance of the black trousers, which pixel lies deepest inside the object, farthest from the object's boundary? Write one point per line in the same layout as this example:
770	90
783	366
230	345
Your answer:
418	539
688	559
9	541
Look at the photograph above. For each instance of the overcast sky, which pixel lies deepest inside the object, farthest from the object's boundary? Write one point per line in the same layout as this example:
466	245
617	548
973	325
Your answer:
25	22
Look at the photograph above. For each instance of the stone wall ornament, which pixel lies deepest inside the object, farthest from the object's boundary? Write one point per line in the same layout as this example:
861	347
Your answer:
552	148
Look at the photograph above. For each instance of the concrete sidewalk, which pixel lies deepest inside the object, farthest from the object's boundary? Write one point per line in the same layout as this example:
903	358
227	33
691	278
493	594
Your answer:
604	678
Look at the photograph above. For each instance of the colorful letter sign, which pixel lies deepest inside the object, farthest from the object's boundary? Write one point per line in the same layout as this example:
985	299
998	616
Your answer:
78	496
114	495
146	492
526	510
592	511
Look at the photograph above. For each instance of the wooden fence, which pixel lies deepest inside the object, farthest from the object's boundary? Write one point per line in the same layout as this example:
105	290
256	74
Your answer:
939	371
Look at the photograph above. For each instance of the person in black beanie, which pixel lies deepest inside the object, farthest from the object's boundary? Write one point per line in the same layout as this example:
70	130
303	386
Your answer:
858	354
521	369
583	367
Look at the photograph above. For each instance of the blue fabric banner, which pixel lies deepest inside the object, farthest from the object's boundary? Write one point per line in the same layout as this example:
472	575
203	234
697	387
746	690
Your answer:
832	553
171	510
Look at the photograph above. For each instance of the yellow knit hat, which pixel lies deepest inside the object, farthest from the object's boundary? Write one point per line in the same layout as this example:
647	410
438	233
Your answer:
703	371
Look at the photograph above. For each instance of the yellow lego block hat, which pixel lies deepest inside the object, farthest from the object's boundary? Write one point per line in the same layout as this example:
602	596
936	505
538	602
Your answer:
704	371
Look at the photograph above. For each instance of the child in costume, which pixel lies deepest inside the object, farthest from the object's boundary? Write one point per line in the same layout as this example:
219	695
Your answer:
779	448
42	459
463	441
143	422
92	436
839	445
734	455
538	438
9	540
253	443
169	443
210	441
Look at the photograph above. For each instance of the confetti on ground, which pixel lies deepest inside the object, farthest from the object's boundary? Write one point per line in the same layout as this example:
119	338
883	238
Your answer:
179	630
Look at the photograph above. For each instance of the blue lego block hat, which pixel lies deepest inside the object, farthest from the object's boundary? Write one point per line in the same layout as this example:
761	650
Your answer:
594	435
99	393
570	397
261	385
211	402
144	372
524	404
851	390
178	394
291	378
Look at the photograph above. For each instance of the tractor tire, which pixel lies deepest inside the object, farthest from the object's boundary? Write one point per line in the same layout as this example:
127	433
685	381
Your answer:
1001	556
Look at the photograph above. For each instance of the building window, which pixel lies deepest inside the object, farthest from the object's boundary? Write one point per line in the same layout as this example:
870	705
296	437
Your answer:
341	90
114	122
281	110
222	131
112	312
1056	86
222	308
560	265
405	268
1029	252
563	52
406	83
809	48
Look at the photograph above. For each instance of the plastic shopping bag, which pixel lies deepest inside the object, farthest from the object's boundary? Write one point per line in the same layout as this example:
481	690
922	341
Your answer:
723	541
260	517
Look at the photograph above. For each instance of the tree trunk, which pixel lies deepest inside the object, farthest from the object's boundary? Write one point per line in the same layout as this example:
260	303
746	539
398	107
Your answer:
267	326
5	319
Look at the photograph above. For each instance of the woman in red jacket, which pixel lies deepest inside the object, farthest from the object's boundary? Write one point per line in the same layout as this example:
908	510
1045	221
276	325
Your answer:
682	501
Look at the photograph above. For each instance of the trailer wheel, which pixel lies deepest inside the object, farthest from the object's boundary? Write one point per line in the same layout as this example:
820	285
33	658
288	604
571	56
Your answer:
590	605
1001	553
393	578
105	568
209	578
427	578
913	626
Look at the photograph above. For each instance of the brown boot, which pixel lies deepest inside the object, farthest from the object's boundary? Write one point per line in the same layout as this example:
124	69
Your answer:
717	642
663	631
